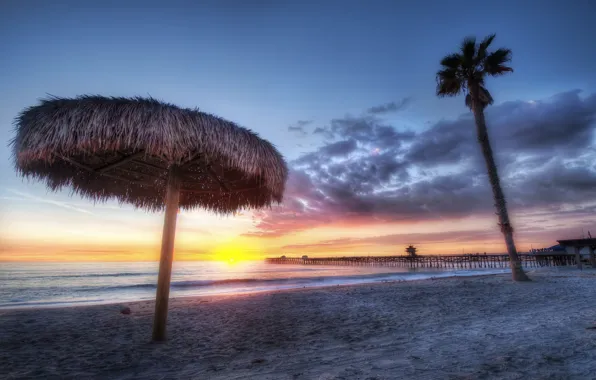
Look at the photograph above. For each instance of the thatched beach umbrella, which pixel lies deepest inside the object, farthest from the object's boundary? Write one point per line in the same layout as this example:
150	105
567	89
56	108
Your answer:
152	155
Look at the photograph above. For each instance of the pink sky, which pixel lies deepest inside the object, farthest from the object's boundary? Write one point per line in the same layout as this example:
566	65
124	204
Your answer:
377	161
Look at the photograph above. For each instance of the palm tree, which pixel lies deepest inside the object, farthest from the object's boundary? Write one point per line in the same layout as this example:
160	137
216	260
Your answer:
465	72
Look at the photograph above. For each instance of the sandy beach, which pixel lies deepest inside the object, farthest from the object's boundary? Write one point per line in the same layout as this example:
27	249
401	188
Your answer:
484	327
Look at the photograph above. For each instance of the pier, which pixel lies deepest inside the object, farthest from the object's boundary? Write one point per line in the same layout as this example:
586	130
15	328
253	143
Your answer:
433	261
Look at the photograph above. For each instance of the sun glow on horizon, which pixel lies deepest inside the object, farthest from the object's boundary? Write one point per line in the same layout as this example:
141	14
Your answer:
38	238
231	253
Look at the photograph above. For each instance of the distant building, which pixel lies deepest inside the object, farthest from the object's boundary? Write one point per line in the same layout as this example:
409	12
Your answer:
585	245
555	248
568	246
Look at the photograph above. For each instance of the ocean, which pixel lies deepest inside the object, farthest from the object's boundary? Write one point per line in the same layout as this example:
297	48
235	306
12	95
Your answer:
69	284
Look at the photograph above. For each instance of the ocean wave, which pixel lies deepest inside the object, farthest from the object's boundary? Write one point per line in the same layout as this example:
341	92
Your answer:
205	283
58	295
24	276
264	282
17	303
268	282
87	275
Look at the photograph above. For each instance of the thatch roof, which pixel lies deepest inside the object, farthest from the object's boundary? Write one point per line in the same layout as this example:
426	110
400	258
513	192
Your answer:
120	148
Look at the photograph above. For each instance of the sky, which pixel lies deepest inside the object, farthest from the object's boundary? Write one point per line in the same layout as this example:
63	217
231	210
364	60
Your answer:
346	91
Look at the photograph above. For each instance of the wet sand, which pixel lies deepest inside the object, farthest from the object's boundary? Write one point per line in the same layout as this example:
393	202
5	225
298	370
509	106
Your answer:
484	327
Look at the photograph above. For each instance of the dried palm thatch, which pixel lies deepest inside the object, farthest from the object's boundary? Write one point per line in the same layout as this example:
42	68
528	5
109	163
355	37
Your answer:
150	154
121	148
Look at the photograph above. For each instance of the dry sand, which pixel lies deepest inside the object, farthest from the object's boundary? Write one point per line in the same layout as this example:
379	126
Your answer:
459	328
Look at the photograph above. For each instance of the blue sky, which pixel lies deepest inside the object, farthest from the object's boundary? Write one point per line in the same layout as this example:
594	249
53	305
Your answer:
269	64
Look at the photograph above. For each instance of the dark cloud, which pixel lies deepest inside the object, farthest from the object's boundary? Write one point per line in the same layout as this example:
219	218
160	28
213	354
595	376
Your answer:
390	107
369	169
444	143
553	183
365	129
298	128
564	122
303	123
559	126
340	148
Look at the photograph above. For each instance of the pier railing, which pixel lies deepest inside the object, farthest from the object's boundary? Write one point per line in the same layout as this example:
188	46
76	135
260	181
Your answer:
433	261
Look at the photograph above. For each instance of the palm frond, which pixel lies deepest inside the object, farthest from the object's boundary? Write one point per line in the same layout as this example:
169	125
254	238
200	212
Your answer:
449	87
468	51
483	46
450	82
447	74
468	69
500	56
452	61
487	41
494	64
498	71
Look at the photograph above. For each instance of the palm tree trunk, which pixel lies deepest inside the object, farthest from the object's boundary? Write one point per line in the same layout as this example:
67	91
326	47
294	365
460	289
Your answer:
493	176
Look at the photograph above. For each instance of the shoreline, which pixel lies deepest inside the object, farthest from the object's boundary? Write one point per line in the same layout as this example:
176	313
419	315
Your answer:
78	304
484	326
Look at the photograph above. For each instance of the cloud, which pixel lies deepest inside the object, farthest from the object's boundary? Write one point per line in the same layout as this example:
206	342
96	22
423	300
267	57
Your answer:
367	169
559	126
32	198
322	131
298	128
466	236
366	129
390	107
446	239
340	148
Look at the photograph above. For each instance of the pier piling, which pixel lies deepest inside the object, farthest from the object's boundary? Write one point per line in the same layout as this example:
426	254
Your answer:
434	261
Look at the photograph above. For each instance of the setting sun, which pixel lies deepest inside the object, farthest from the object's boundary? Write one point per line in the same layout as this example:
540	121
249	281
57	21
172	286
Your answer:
230	252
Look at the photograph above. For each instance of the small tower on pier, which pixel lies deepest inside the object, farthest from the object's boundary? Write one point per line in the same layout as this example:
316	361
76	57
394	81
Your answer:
411	251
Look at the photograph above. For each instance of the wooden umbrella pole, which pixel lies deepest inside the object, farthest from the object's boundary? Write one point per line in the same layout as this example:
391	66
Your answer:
167	255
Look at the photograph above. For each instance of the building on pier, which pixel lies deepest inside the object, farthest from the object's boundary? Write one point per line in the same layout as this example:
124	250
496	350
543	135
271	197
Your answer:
581	247
555	248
